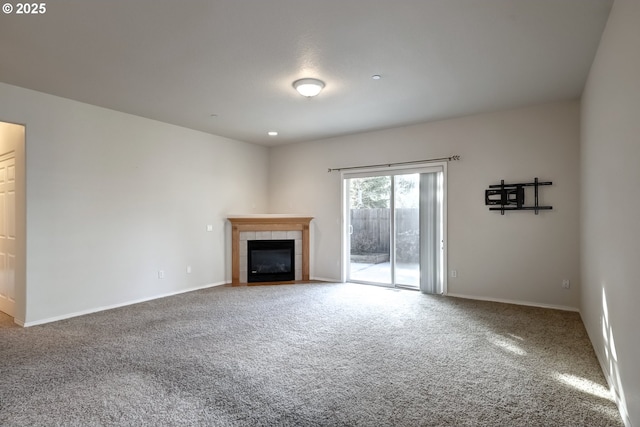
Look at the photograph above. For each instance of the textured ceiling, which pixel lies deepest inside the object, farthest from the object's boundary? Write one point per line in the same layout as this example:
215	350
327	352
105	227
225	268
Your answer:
226	66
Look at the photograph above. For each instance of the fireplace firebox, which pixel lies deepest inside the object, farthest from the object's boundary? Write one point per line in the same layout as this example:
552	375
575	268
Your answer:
270	260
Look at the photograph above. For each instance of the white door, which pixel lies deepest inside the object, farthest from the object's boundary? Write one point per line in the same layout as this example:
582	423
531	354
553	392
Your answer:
7	232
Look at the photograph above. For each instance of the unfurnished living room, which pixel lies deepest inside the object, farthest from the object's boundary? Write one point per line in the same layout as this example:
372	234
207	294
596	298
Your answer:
319	213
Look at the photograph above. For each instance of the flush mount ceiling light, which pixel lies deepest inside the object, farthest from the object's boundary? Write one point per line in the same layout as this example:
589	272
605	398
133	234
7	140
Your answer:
308	87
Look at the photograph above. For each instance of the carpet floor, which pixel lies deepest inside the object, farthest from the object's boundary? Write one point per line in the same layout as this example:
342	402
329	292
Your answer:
305	355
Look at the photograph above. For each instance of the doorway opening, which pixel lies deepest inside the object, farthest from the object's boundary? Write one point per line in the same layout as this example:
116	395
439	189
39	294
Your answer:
395	227
12	220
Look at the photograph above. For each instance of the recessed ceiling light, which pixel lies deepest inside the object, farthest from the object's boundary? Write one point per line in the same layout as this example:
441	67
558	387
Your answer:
272	133
376	77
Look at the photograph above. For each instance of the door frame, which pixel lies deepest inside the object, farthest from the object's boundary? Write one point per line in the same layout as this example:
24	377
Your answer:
13	137
9	307
391	170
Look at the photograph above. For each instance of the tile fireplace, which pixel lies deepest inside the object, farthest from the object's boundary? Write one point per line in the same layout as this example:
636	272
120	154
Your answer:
269	228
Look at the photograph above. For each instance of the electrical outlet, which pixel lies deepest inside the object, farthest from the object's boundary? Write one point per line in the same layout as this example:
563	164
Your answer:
188	269
566	284
161	274
454	273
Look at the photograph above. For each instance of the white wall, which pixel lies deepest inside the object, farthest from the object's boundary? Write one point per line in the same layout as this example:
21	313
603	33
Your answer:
113	198
516	257
610	167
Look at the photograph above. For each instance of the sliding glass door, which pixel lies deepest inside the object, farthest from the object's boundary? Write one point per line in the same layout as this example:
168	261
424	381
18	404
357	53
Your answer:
370	229
395	231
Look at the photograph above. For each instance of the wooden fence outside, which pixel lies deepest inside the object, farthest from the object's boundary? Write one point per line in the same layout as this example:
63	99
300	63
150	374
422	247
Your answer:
371	232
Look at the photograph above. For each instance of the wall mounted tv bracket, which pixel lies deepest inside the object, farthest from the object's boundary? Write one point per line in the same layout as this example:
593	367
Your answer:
510	197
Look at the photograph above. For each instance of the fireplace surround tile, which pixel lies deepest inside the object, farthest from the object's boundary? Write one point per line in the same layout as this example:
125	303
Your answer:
295	235
245	236
248	235
264	235
279	235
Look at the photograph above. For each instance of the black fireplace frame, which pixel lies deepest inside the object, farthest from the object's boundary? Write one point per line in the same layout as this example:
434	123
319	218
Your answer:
262	245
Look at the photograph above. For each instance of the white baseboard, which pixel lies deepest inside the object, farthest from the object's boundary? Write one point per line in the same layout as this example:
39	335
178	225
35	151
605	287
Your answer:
516	302
621	404
110	307
325	279
604	365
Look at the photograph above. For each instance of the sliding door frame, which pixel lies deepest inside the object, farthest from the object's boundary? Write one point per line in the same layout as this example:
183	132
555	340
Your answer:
392	170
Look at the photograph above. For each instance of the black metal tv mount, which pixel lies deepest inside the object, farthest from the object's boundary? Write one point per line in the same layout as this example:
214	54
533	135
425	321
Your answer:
510	197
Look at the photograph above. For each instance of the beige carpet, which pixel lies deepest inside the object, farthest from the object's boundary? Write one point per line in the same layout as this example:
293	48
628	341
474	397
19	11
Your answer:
305	355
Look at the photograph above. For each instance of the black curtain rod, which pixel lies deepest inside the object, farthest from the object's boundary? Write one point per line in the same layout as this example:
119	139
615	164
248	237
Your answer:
441	159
